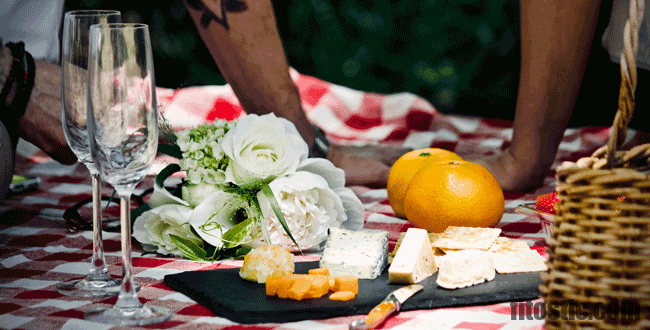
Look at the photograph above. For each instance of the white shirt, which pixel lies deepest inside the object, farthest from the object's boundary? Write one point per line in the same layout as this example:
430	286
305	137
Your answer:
613	37
36	23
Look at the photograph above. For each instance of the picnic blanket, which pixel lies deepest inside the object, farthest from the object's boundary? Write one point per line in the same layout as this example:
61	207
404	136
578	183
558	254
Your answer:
37	252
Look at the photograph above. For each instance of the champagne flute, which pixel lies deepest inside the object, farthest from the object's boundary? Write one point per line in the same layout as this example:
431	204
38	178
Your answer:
123	131
74	79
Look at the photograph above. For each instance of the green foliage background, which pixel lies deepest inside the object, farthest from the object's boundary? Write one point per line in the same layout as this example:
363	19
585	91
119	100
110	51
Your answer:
461	55
457	54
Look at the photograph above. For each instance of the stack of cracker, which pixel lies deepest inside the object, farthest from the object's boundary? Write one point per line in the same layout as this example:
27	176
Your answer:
510	256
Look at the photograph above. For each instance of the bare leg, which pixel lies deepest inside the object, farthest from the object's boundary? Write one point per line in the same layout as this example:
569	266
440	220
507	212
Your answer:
556	36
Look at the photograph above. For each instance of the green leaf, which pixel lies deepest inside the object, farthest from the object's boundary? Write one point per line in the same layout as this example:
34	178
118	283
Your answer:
189	249
260	219
266	189
232	253
166	173
242	251
236	234
108	202
171	150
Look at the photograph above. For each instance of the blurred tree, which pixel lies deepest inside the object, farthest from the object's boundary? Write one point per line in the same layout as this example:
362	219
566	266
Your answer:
461	55
181	58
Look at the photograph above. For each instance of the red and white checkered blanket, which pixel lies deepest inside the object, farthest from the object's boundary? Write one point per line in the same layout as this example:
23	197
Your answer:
36	251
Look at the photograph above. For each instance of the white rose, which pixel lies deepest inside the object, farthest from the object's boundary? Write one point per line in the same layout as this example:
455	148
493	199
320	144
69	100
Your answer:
334	176
194	194
336	181
353	209
152	228
161	196
262	148
309	208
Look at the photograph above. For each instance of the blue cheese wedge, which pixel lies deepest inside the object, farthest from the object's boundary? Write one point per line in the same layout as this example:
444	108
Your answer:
465	268
362	253
414	260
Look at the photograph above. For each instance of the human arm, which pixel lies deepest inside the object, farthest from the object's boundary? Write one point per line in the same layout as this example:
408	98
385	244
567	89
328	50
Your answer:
247	49
556	36
246	45
41	122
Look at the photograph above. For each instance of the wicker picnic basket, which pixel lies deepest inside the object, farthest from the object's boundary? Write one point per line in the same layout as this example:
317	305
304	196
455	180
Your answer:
598	273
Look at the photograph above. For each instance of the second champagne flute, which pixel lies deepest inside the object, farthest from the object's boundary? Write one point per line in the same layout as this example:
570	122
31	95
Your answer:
74	80
123	122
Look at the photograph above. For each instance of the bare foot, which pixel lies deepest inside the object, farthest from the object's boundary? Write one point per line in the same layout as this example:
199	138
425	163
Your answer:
383	153
512	175
364	166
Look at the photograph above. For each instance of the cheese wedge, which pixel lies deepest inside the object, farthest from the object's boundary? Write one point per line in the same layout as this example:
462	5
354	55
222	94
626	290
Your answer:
414	260
362	253
465	268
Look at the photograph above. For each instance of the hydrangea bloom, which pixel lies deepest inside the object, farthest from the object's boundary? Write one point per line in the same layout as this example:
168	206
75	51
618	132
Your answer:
203	157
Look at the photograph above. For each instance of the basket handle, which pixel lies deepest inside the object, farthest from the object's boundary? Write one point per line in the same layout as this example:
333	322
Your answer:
626	98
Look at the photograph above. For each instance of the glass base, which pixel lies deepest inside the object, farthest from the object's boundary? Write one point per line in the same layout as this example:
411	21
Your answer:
142	315
86	287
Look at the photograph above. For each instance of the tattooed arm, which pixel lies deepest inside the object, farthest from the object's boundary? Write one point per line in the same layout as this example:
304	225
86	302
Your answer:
243	39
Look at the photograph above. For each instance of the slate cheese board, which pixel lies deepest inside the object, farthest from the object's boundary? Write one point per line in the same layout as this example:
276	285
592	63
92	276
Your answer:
227	295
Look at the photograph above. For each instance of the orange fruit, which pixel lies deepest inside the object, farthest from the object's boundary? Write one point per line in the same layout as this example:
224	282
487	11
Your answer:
404	169
453	193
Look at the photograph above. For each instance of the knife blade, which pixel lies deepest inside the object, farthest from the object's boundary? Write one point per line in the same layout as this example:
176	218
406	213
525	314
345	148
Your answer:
390	305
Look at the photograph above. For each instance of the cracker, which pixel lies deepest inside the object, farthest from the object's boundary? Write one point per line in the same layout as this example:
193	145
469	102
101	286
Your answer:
462	238
433	237
399	241
506	244
522	261
392	254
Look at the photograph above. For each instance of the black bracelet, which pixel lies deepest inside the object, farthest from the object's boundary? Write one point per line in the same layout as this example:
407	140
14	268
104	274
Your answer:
22	73
321	146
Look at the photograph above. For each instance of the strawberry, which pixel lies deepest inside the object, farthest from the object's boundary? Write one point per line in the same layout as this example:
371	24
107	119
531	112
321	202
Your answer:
546	203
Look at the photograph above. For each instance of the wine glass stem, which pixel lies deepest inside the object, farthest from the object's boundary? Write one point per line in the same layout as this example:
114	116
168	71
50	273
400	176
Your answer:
128	296
98	269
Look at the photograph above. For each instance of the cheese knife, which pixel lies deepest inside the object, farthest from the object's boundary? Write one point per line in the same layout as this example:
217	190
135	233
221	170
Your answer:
390	305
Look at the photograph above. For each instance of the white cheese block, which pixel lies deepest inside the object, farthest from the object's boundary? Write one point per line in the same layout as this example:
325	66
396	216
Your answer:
465	268
414	260
362	253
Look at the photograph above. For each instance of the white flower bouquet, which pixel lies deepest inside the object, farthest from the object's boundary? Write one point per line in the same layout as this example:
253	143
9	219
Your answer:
248	182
